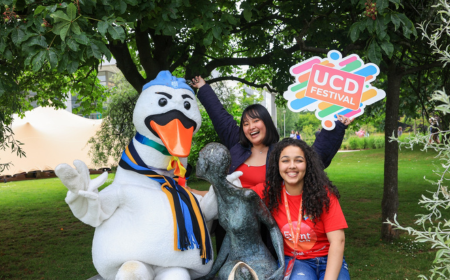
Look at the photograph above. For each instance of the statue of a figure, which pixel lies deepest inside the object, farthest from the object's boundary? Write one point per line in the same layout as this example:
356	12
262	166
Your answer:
240	213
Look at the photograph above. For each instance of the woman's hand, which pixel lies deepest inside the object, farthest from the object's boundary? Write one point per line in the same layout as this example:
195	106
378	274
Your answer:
198	82
343	119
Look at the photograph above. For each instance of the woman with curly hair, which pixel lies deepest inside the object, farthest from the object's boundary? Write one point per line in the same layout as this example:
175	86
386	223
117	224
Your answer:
296	186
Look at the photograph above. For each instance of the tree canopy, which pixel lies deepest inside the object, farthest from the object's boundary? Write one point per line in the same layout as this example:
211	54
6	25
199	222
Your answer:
51	47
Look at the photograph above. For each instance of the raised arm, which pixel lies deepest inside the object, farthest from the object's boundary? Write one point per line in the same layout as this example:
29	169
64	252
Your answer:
224	123
328	143
83	198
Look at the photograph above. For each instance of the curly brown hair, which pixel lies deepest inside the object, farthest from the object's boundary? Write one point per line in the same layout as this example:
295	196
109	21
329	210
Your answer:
316	183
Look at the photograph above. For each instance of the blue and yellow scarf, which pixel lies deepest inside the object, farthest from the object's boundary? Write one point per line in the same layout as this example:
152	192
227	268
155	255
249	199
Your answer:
188	220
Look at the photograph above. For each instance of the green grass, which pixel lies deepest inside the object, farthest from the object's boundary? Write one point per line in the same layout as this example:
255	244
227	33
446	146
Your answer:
41	239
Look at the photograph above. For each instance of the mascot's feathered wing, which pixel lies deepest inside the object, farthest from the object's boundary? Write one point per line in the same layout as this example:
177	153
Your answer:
147	225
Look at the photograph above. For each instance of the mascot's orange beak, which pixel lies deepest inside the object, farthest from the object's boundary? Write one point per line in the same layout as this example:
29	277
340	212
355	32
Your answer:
175	136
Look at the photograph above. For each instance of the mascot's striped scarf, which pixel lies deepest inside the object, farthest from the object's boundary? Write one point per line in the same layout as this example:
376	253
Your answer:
190	228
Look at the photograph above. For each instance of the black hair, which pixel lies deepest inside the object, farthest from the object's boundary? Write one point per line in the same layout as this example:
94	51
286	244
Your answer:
316	183
258	111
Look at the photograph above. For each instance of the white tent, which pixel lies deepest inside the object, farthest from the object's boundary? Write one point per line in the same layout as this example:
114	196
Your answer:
50	137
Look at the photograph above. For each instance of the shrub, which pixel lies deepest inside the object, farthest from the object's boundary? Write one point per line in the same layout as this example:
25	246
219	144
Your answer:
353	143
369	142
379	142
360	142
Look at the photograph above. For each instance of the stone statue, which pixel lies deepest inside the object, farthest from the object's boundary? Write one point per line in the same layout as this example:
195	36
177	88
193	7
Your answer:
240	213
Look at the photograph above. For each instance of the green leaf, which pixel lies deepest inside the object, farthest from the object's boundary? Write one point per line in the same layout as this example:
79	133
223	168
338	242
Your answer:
72	11
81	38
29	58
354	31
397	3
93	50
374	52
380	28
381	6
248	14
72	67
406	31
28	2
59	26
64	32
231	19
103	49
17	36
362	24
75	28
116	32
60	16
396	20
62	65
217	32
38	41
370	25
39	10
208	39
52	58
72	44
2	45
122	6
39	60
8	55
51	8
388	48
102	27
132	2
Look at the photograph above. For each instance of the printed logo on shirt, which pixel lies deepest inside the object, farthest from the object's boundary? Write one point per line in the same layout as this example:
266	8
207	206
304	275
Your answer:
306	240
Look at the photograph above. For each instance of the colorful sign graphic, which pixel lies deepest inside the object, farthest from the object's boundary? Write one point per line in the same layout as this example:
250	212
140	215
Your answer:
333	86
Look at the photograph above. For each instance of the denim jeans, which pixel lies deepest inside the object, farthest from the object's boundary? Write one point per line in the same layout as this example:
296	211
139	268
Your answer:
314	269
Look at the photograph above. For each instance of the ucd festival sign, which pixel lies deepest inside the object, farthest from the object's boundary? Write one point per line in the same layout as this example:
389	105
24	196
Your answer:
333	86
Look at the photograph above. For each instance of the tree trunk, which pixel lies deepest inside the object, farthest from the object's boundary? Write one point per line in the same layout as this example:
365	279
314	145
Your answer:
389	204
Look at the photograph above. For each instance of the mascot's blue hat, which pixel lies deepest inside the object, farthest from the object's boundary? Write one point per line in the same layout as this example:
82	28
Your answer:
165	78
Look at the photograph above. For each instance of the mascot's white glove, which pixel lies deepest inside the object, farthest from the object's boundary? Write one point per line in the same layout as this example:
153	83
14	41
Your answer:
83	197
78	180
234	178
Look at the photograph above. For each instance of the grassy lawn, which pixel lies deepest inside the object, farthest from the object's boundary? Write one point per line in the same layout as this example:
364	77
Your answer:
41	239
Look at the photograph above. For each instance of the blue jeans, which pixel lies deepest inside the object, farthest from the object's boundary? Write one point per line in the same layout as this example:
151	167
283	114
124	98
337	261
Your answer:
314	269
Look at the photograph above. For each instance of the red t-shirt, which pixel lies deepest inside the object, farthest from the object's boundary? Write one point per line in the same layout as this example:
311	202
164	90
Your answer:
253	175
313	241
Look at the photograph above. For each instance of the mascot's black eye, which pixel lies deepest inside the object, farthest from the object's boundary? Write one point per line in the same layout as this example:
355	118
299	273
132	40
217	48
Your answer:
187	105
163	102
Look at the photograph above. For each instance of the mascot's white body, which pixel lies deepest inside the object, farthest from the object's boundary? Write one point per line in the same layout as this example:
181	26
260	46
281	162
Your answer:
134	235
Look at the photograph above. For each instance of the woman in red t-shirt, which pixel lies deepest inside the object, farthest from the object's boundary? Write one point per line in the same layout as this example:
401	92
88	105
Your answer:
296	182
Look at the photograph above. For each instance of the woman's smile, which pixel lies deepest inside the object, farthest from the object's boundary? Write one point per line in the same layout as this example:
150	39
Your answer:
292	167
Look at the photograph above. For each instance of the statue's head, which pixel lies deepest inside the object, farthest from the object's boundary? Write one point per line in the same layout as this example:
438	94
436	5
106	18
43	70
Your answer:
167	113
214	161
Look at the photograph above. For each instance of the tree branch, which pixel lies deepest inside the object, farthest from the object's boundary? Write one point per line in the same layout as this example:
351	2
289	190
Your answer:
143	47
422	67
231	78
126	65
251	61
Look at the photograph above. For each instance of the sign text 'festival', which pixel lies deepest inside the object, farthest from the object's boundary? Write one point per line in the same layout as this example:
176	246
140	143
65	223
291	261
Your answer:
333	86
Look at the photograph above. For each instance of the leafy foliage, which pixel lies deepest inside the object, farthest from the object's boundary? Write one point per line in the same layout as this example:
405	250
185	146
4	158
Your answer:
117	128
435	38
436	229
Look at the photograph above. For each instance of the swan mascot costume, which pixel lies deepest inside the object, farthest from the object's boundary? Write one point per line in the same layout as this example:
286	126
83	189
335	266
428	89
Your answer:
147	225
